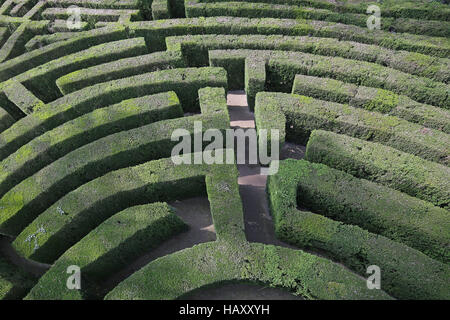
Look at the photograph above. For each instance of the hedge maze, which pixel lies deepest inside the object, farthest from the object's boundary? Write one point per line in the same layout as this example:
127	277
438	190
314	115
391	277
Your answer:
91	92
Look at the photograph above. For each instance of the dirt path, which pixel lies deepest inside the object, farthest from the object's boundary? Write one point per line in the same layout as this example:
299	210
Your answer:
35	268
259	225
195	212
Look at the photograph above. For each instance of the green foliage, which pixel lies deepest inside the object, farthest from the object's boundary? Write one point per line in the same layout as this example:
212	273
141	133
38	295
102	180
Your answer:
406	272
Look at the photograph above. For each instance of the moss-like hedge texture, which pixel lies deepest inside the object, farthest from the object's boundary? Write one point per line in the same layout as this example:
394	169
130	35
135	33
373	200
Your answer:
117	69
376	208
196	8
34	194
406	273
14	282
372	99
106	249
296	116
56	143
195	49
214	263
185	82
385	165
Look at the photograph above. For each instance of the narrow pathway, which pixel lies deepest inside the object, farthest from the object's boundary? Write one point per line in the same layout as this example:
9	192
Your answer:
36	269
195	212
259	226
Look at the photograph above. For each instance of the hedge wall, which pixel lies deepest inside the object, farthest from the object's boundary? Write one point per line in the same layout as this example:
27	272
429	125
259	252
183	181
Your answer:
299	115
34	194
86	39
155	32
377	208
421	9
372	99
185	82
198	8
195	49
56	143
281	73
113	70
406	272
106	249
213	263
41	80
382	164
5	120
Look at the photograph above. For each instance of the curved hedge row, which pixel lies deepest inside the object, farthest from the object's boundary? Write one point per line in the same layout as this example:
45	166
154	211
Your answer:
41	80
155	32
283	70
126	67
34	194
102	197
185	83
256	9
421	9
213	263
14	282
86	39
296	116
6	120
377	208
385	165
372	99
283	66
91	15
56	143
406	273
195	49
106	249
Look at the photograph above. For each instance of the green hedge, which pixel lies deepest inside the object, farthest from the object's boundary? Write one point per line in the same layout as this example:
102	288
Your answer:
56	143
281	73
41	80
195	49
90	15
152	181
113	70
40	41
56	50
34	194
15	44
155	32
198	8
5	120
214	263
406	273
103	4
160	9
385	165
372	99
185	83
14	282
299	115
106	249
255	79
377	208
419	9
283	66
22	98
